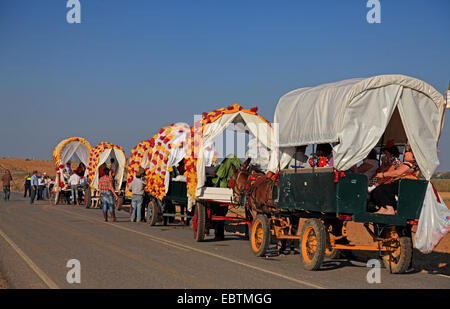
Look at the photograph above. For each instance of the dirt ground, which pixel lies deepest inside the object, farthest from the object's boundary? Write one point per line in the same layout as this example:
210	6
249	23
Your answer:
20	168
3	283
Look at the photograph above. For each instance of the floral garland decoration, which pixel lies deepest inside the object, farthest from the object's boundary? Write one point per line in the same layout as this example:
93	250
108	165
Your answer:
57	150
136	158
194	144
57	158
158	153
94	157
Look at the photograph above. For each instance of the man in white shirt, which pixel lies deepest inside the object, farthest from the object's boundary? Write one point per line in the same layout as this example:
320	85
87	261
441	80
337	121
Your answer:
41	186
74	182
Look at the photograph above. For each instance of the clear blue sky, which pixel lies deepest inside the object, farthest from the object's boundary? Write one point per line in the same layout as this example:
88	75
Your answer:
132	67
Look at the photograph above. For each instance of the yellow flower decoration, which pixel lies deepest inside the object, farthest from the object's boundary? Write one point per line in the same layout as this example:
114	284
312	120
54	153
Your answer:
57	150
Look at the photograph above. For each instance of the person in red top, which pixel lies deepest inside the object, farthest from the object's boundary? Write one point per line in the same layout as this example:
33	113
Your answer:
6	179
106	195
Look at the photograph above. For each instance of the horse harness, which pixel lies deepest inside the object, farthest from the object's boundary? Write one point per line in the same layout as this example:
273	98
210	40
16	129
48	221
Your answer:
256	180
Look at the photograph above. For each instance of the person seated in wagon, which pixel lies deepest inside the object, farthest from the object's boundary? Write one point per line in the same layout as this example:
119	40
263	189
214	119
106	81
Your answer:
384	196
369	166
389	162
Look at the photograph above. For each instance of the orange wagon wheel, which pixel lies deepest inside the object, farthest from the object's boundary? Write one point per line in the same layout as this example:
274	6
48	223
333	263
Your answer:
260	235
399	259
313	244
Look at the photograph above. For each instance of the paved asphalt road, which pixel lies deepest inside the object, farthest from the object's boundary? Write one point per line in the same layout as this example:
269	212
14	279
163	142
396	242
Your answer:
36	242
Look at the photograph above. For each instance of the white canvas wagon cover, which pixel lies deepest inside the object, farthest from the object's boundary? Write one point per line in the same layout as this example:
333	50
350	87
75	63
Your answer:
356	113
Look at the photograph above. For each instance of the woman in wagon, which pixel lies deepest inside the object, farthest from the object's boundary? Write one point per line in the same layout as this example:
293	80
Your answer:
389	162
384	196
68	168
369	166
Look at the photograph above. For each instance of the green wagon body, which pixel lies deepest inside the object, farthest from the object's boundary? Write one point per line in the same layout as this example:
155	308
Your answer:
317	193
177	193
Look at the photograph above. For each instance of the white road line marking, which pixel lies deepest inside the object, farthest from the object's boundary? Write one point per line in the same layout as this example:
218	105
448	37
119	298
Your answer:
49	282
178	245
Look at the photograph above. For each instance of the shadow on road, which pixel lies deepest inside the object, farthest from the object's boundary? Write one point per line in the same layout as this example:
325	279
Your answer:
433	263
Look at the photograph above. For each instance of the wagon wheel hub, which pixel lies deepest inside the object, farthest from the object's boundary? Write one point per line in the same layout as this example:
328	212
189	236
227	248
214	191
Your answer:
394	245
259	234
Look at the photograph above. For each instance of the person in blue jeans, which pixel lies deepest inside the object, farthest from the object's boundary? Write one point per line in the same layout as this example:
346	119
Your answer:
34	186
107	195
137	188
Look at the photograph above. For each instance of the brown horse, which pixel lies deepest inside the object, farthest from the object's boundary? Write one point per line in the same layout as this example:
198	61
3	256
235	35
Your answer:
253	188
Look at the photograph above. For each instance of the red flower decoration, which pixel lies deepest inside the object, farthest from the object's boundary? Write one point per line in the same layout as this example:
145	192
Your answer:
323	161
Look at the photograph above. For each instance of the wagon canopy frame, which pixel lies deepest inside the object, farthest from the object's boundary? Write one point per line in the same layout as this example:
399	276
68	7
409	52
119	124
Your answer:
70	147
355	113
99	155
157	155
214	123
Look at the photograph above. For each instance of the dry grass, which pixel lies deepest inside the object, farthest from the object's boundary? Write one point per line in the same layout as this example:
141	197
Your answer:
442	185
446	197
20	168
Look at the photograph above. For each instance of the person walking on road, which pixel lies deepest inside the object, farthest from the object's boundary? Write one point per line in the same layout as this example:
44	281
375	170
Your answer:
44	184
137	188
74	182
34	186
107	195
6	179
41	185
27	186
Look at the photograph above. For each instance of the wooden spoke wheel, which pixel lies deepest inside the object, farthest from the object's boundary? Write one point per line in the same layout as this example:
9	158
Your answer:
399	258
260	235
313	244
154	212
199	222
